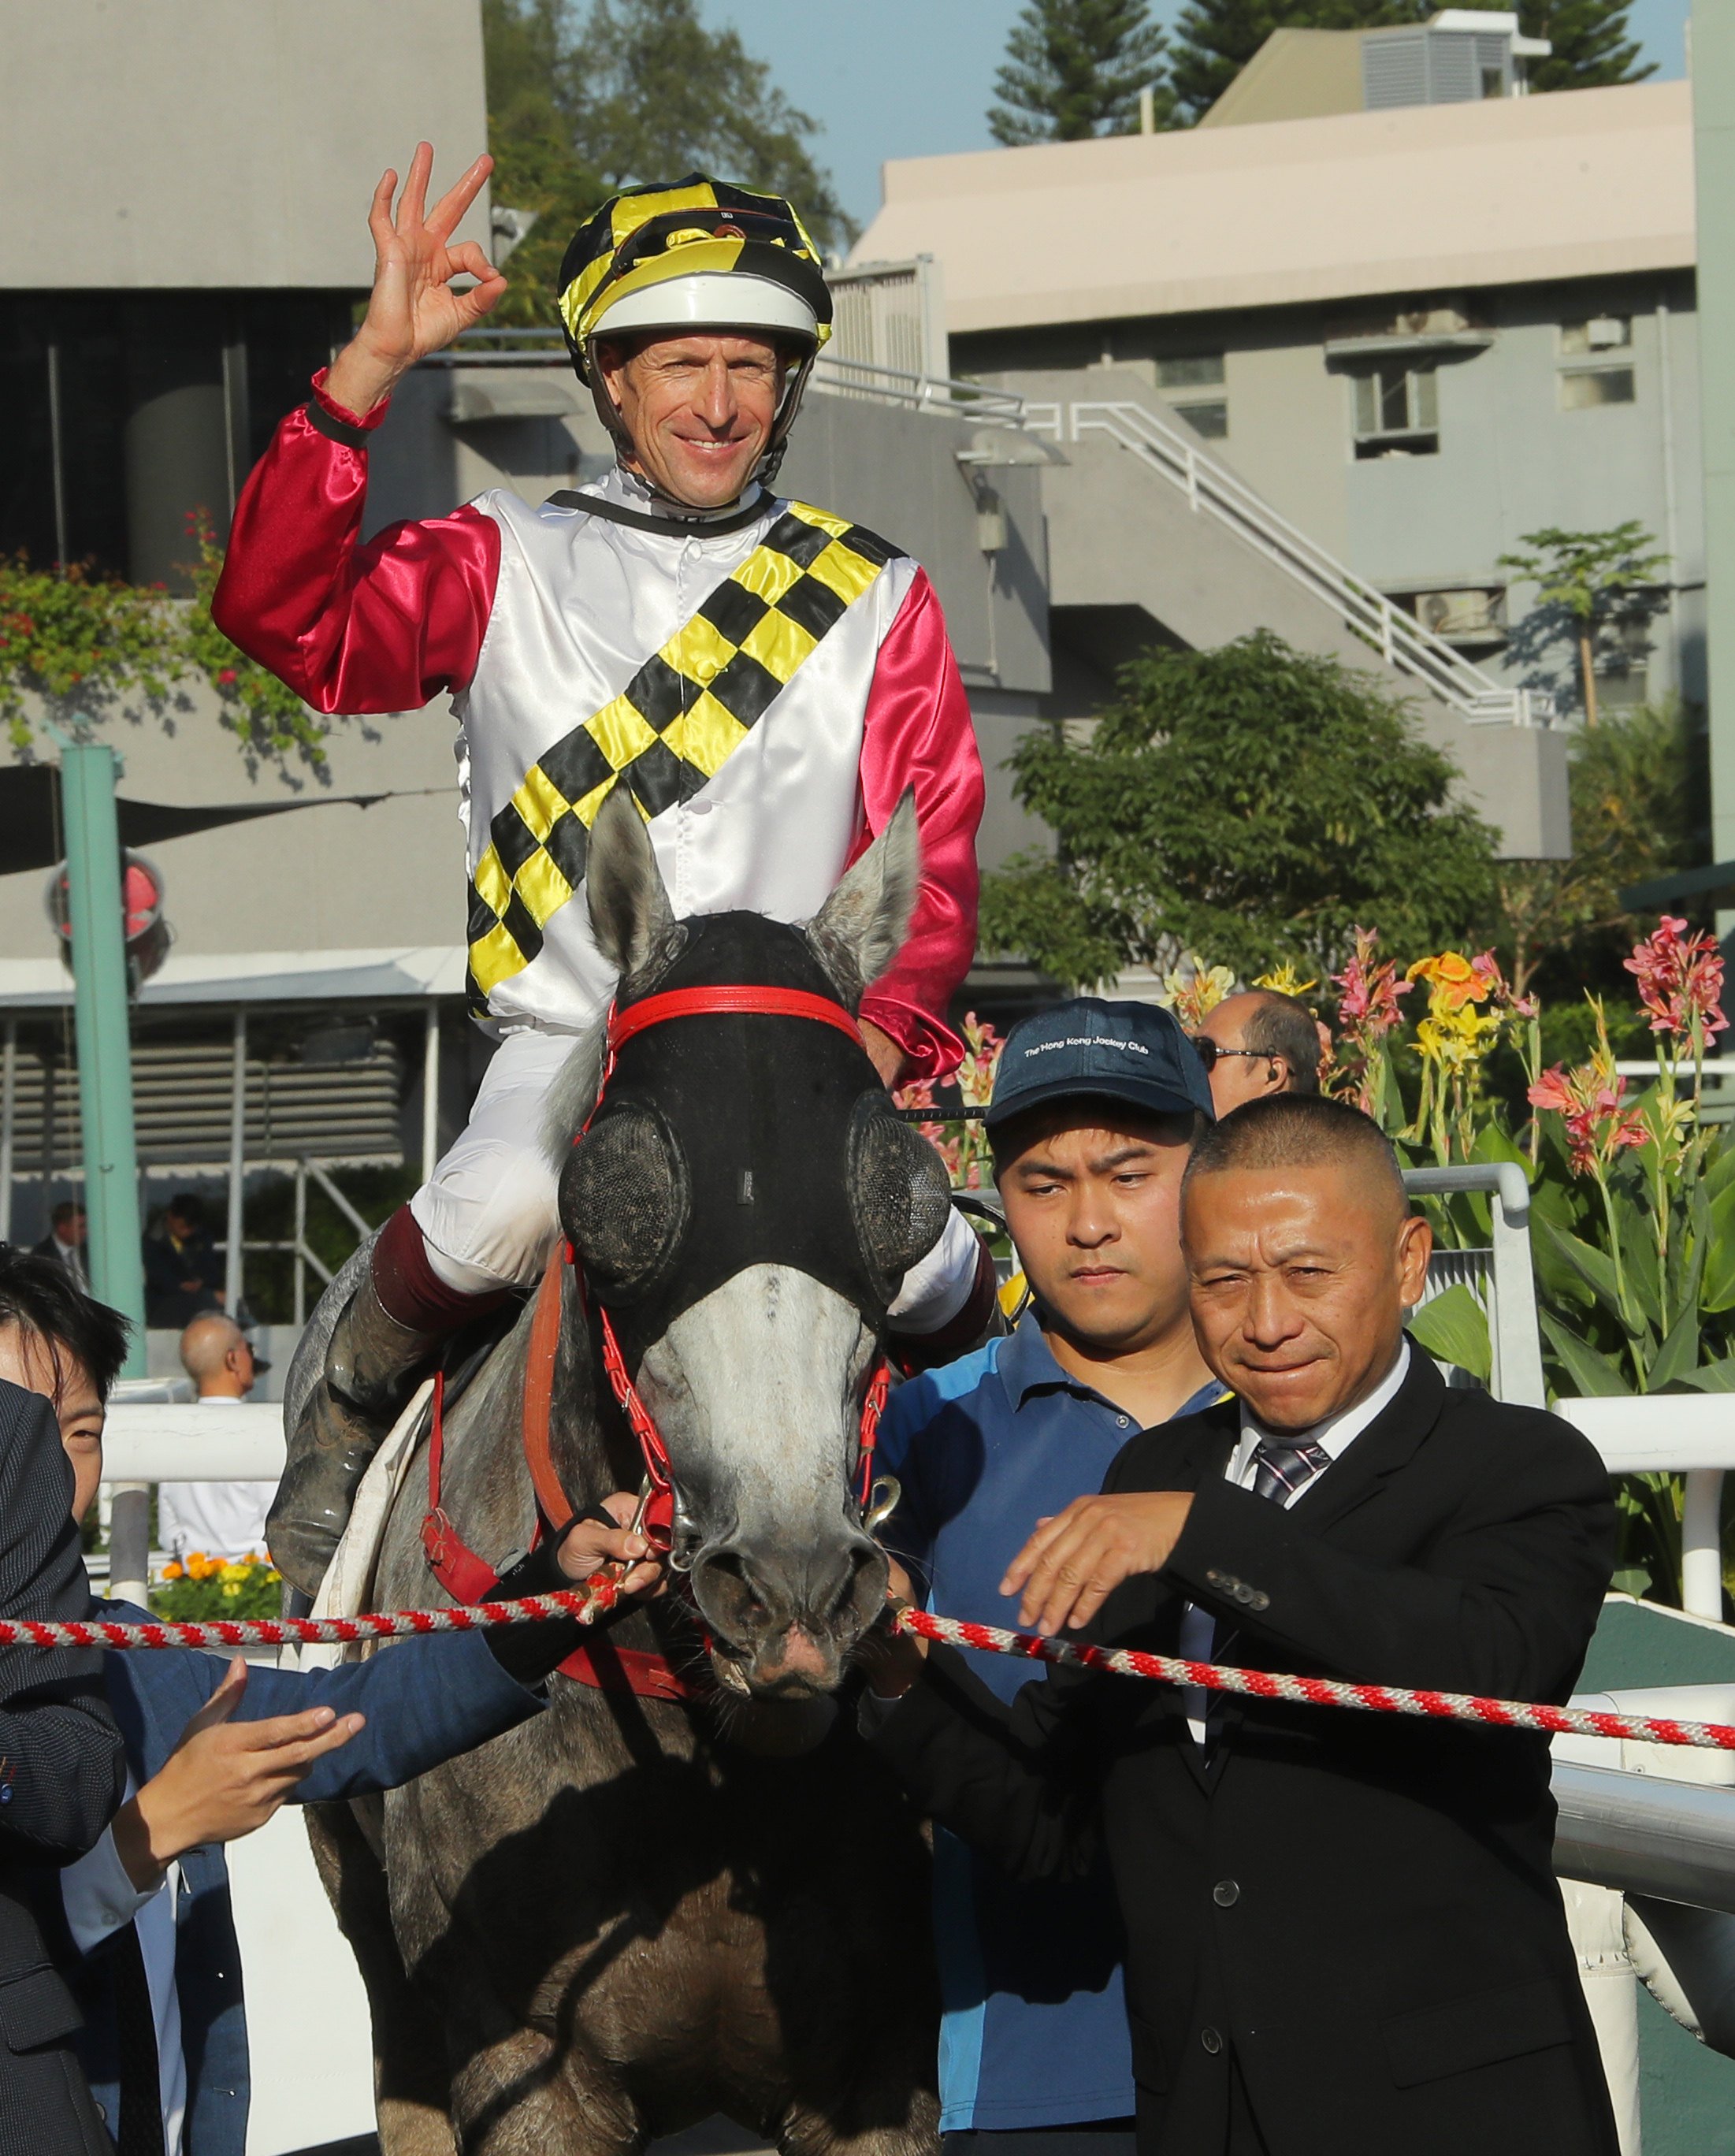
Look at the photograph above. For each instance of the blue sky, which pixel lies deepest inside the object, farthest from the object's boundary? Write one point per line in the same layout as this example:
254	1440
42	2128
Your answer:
914	78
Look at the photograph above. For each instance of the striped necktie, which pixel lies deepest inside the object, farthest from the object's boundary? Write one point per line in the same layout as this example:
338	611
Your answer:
1285	1470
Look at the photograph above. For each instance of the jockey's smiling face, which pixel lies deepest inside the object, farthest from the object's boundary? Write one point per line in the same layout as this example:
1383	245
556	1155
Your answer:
698	408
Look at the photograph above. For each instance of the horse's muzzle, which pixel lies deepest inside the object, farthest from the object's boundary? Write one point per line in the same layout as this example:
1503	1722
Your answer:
784	1620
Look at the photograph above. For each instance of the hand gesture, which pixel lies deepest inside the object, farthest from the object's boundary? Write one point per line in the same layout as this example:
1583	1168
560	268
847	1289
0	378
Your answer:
223	1779
414	309
1074	1561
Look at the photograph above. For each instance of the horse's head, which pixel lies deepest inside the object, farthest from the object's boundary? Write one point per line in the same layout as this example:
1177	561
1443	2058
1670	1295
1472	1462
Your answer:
744	1205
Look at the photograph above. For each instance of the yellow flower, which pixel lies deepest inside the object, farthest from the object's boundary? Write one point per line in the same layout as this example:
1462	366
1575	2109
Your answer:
1285	981
1457	1039
1194	990
234	1571
231	1590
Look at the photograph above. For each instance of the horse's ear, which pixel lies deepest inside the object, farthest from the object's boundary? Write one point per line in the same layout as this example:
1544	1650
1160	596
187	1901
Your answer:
630	915
861	927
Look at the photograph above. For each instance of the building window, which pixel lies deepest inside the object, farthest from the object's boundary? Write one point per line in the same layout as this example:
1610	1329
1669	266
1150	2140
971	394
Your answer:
1397	411
1193	388
1596	362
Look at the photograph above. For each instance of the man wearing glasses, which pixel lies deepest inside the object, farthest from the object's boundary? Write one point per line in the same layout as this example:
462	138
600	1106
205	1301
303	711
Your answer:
1260	1042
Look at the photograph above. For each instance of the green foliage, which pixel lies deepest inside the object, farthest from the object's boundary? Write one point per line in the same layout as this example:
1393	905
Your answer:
1253	802
1215	40
1588	584
92	644
1591	45
1639	790
530	136
1075	68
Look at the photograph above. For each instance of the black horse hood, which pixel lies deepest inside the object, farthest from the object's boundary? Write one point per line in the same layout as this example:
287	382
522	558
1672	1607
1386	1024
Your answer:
725	1140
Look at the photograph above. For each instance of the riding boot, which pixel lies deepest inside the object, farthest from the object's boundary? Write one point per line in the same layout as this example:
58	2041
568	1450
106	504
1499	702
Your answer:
384	1337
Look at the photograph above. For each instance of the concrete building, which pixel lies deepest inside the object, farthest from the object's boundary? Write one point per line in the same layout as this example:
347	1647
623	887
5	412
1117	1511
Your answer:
1416	332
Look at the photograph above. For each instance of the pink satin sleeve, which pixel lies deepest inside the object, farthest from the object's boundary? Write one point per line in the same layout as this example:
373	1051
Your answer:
919	733
379	628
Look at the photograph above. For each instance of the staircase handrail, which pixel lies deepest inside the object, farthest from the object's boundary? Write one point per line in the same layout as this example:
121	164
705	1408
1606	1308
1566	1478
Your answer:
1398	638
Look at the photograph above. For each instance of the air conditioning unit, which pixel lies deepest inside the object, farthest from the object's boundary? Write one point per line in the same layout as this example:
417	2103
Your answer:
1466	615
1604	332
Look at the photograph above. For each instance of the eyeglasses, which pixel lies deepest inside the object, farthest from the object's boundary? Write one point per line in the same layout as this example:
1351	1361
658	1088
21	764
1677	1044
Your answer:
1210	1055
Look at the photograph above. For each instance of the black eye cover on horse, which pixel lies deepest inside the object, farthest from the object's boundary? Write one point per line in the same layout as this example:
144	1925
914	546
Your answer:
729	1141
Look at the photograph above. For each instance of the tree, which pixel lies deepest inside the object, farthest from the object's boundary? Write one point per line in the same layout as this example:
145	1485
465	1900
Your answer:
653	93
530	133
1215	40
1589	585
640	90
1591	45
1074	69
1638	786
1252	802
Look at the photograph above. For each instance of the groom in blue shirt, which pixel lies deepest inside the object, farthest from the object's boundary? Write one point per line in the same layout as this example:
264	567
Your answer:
1096	1104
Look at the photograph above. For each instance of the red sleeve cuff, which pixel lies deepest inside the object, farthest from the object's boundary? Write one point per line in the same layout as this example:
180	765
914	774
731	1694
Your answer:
342	412
933	1048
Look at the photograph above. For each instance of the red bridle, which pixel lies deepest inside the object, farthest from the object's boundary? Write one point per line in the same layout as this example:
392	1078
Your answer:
656	1514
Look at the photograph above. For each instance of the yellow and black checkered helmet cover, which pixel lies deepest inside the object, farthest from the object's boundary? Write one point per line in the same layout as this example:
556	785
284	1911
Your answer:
651	235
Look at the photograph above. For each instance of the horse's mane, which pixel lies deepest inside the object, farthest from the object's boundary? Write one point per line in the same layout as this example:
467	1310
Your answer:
573	1094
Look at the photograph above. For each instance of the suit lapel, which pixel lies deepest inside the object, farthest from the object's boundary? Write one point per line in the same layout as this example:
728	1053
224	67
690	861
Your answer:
1387	1444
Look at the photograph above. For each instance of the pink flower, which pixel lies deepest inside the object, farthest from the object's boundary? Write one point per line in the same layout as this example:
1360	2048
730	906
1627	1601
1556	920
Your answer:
1680	980
226	678
1589	1102
1369	1003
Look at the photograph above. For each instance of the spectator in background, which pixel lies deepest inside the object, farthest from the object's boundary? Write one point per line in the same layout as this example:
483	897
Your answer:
183	1273
1260	1042
65	1242
213	1750
221	1519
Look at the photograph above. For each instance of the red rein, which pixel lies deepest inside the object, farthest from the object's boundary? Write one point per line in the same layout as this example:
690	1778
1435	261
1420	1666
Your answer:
468	1579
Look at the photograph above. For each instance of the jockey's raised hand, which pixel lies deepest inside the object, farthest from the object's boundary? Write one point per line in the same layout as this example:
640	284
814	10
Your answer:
414	309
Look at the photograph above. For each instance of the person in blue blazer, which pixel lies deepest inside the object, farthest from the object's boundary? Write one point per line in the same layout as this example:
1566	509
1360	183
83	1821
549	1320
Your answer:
212	1750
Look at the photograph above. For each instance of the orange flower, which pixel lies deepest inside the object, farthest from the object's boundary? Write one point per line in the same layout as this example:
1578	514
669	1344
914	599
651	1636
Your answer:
174	1571
1453	981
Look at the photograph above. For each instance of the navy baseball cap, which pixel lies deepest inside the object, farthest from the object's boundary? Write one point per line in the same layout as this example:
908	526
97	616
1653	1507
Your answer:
1118	1051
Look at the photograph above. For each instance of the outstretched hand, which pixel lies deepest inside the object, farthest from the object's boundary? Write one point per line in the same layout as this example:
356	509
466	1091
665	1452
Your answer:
414	309
223	1779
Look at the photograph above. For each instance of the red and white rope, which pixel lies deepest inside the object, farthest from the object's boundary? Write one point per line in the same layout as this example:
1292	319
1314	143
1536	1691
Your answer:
585	1603
1324	1691
600	1592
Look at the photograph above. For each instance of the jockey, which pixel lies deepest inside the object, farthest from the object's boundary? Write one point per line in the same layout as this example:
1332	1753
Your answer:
767	678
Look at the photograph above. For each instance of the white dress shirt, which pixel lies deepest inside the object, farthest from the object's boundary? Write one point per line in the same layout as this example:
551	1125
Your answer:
1336	1435
217	1519
99	1898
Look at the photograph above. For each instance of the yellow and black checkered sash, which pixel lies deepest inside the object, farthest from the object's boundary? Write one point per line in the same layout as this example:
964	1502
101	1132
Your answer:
670	732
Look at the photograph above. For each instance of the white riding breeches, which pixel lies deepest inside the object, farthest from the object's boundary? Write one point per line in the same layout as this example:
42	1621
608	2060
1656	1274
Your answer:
490	1215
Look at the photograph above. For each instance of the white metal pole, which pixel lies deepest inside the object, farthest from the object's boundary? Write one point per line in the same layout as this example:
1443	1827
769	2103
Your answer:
8	1123
430	1091
1701	1555
237	1167
300	1244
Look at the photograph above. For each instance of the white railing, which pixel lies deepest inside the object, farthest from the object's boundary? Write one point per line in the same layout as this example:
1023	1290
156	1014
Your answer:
1212	489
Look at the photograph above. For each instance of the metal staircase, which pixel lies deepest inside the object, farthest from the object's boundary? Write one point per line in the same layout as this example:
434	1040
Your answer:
1212	489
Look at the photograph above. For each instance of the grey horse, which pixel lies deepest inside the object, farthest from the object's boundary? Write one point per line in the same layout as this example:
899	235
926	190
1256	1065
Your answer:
630	1913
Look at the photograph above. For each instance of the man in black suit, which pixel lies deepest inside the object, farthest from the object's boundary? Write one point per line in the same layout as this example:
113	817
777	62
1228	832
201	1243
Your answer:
1344	1935
62	1772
